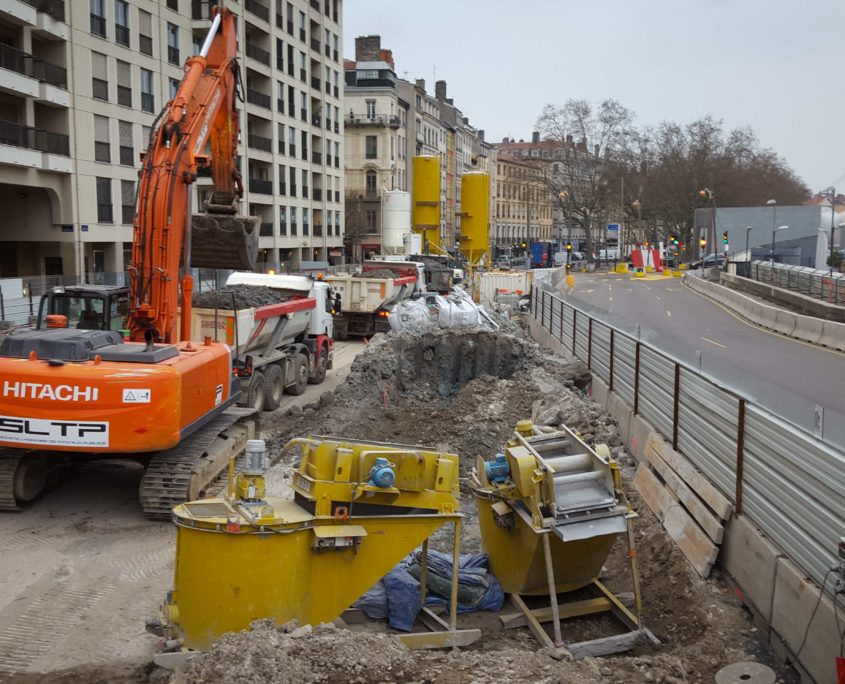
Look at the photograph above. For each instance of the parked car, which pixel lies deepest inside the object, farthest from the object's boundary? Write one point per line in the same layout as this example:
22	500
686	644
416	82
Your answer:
710	261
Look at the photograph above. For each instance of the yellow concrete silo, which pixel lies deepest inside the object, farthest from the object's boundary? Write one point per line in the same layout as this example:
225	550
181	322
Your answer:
475	215
426	201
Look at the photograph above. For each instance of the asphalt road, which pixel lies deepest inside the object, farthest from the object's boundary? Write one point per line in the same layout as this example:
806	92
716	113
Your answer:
668	307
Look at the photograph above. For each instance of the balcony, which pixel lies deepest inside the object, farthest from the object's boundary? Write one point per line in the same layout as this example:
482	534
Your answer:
316	158
315	83
34	138
316	121
375	120
263	187
25	64
315	4
52	8
317	195
315	45
258	54
257	142
258	9
318	230
266	229
258	98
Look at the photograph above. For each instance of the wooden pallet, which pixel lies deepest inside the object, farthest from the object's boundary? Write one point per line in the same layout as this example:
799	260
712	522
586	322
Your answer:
690	508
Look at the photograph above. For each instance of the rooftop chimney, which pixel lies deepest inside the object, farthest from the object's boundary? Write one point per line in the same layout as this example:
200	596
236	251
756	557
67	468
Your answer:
505	140
367	48
535	137
440	90
387	56
481	134
421	84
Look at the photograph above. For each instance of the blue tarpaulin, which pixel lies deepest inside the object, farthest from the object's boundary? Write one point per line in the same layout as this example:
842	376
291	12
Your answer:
397	595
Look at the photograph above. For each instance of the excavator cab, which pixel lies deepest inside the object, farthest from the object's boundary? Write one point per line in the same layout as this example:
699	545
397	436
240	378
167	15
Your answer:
85	307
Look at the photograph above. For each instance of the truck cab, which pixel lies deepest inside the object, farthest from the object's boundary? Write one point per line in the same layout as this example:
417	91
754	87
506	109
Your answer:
85	307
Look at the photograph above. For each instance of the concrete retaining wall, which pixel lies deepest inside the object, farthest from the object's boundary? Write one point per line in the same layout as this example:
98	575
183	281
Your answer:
807	328
780	597
794	300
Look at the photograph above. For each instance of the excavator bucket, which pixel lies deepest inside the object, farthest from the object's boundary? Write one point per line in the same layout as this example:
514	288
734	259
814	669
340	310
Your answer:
224	241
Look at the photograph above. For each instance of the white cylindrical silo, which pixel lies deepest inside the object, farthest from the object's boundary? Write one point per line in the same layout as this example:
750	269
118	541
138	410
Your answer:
395	220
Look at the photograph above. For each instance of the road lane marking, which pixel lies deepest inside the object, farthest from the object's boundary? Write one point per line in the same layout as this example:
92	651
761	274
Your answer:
658	296
668	313
707	339
610	299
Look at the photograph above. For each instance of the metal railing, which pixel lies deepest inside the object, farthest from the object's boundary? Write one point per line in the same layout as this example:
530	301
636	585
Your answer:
25	64
786	479
256	97
258	9
53	8
258	142
34	138
376	120
813	282
258	54
265	187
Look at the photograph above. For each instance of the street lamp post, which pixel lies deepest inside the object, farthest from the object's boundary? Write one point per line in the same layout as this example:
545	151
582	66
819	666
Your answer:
774	205
707	193
774	231
831	195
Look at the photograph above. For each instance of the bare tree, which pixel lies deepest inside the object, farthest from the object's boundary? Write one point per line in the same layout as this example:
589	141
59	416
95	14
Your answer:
584	139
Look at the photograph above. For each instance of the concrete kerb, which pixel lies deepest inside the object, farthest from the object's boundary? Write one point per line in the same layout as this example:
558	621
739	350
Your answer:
833	335
784	322
808	328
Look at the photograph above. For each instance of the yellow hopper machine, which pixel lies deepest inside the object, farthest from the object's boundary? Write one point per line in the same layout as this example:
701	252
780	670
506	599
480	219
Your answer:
550	509
358	509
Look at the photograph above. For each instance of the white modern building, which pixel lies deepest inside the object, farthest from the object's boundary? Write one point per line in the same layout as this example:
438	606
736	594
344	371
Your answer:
80	85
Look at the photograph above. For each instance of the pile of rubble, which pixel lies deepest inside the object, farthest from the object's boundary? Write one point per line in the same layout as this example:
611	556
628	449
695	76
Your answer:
463	391
243	296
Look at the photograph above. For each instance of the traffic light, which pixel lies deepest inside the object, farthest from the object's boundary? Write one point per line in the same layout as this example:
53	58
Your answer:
523	245
725	238
568	246
702	242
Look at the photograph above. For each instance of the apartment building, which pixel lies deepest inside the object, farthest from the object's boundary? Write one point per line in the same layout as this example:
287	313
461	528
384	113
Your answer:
376	124
524	206
388	122
80	86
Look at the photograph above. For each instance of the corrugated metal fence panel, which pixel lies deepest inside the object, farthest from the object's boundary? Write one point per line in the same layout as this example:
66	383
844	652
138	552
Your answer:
582	326
556	309
794	489
624	359
601	351
568	317
657	389
707	430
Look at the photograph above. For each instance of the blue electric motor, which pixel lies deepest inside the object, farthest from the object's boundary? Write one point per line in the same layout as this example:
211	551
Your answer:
382	474
497	470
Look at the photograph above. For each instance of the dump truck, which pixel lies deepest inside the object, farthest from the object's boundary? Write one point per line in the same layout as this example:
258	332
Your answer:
367	296
279	346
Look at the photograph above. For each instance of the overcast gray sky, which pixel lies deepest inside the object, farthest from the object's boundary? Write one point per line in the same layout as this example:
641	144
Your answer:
776	65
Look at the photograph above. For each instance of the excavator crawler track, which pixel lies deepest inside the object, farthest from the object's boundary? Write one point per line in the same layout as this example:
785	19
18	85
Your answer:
182	473
9	460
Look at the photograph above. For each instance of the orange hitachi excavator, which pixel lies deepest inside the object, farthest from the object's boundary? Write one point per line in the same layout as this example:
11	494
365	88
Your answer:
73	393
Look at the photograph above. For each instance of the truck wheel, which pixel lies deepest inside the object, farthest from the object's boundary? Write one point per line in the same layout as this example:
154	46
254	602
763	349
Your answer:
274	379
300	375
257	391
322	365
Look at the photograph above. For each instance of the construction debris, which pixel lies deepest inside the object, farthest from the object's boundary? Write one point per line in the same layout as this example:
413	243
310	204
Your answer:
244	296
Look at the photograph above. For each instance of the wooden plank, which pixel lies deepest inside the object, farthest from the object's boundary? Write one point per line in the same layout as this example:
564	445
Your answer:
691	539
705	490
709	523
536	627
658	498
461	637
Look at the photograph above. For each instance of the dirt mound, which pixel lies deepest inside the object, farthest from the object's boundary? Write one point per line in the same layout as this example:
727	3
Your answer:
381	273
245	296
287	654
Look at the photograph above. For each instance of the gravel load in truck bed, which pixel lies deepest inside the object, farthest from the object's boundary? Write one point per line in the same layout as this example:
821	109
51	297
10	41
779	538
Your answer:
381	273
245	296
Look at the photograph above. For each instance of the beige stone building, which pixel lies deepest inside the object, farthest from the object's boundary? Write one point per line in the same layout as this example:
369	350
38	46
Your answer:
80	86
524	207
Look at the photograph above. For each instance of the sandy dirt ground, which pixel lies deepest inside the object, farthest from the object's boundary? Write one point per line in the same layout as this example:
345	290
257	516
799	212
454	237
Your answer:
82	568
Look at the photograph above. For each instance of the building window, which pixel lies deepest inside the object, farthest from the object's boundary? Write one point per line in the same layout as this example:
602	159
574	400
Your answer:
98	18
104	202
283	221
145	32
303	106
304	191
283	190
371	109
121	22
304	145
280	54
280	138
291	65
293	219
372	181
102	145
291	141
305	221
371	147
172	87
127	147
99	76
336	153
372	225
147	97
173	4
292	190
124	84
302	36
127	202
172	43
303	72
